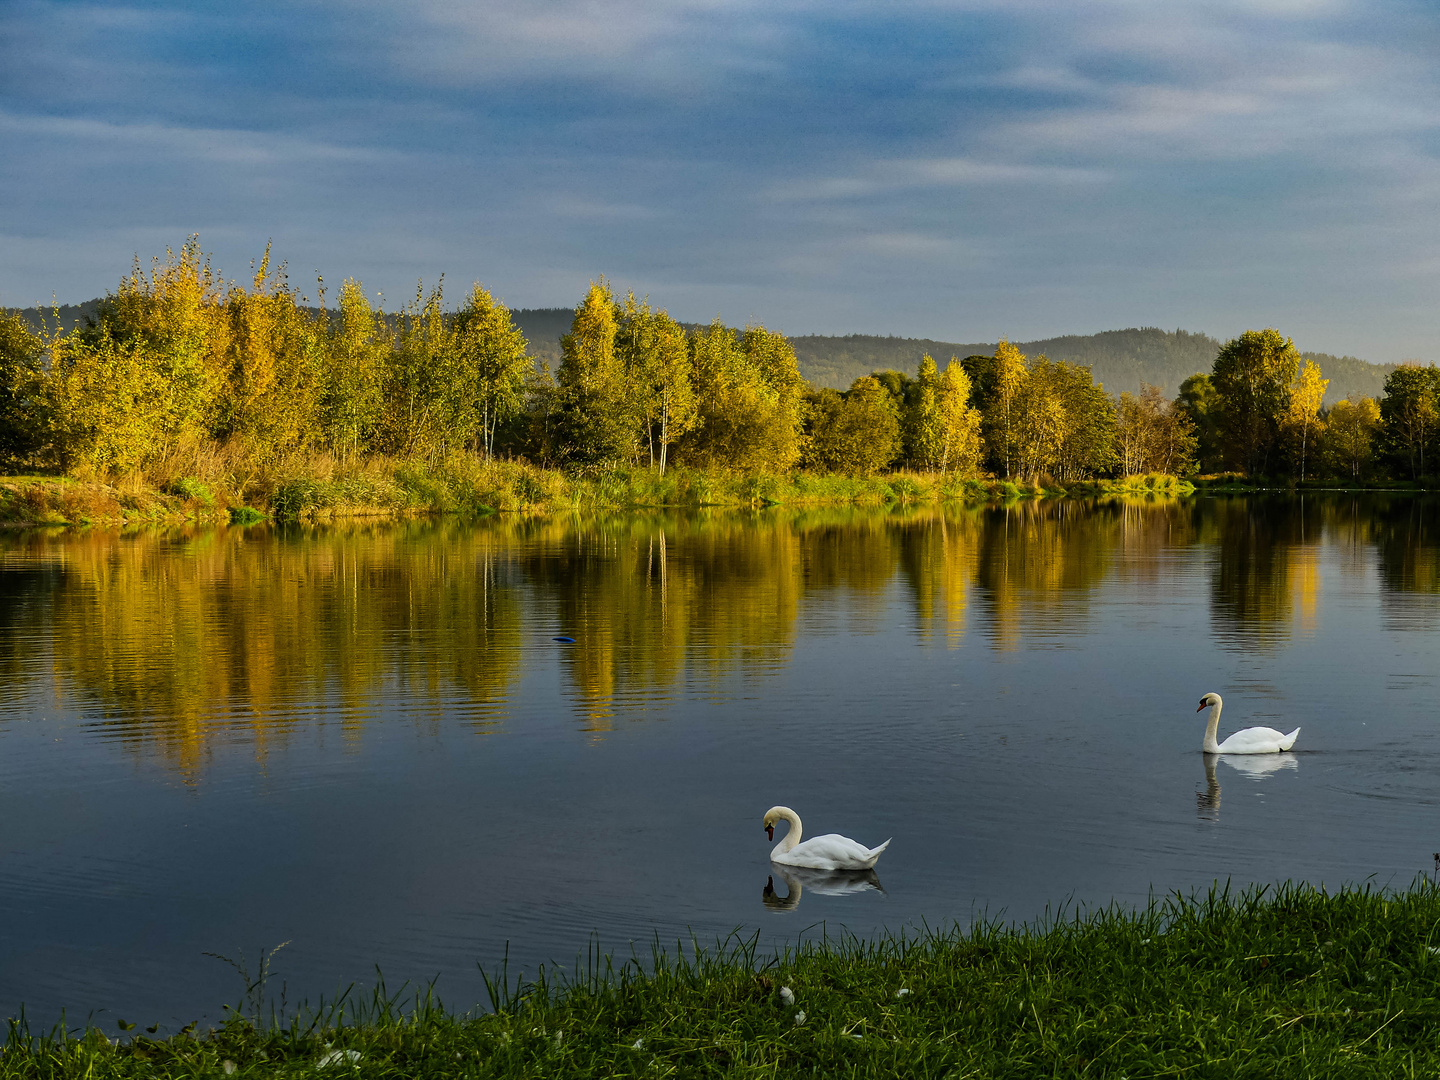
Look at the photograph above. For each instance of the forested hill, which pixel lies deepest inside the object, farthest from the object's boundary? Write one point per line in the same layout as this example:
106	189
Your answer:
1120	359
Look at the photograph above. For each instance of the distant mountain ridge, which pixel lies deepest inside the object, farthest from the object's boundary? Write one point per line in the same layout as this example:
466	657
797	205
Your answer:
1120	359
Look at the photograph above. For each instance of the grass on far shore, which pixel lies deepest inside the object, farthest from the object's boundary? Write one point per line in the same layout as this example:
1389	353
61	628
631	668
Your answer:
215	485
1278	982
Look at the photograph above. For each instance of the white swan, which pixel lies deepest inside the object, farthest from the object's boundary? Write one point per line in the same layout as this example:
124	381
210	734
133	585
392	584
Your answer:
828	852
1255	740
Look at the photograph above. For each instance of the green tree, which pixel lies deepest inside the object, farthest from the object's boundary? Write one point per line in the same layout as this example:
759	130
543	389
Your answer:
857	432
1349	435
1200	405
22	375
1252	377
901	387
494	366
1063	424
1410	409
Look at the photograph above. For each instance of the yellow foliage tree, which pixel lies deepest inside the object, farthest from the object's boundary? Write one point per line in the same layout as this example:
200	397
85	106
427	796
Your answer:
354	396
959	421
1302	413
751	401
600	421
1008	376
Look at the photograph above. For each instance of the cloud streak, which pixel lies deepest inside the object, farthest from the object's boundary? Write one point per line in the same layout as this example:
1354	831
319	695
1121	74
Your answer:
946	169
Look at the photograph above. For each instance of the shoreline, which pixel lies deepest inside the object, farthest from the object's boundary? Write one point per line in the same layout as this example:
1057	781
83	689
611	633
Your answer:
472	487
1273	981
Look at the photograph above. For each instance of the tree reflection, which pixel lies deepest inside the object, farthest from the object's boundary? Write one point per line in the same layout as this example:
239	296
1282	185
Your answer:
176	642
1266	570
177	639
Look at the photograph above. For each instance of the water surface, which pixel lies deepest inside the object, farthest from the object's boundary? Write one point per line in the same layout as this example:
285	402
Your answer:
364	740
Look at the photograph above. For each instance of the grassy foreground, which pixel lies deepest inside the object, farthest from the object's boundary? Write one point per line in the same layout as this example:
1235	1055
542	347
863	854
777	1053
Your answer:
319	487
1272	983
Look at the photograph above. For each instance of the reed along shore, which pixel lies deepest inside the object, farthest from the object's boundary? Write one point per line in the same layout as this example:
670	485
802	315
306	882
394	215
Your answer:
464	484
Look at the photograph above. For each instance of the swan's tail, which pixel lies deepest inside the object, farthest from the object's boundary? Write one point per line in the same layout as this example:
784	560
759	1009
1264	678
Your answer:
1289	740
875	853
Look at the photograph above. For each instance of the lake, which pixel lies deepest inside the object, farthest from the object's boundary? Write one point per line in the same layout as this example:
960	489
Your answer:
365	741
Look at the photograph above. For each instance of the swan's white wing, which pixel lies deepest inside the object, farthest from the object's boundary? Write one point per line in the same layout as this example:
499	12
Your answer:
1258	740
831	852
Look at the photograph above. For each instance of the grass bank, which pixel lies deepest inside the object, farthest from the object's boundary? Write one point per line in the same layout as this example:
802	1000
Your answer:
1239	484
319	487
1272	983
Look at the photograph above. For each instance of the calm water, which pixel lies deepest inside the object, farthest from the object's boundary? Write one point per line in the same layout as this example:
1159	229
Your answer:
364	740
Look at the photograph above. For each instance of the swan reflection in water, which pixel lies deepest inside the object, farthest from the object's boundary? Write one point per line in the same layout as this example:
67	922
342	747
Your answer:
797	879
1253	766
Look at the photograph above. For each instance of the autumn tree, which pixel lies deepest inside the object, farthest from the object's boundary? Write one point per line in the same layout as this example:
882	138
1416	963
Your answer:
856	432
1002	380
959	421
600	412
1252	377
1063	423
422	379
1348	438
493	366
149	371
274	365
353	399
1302	415
655	354
751	400
1152	434
1410	409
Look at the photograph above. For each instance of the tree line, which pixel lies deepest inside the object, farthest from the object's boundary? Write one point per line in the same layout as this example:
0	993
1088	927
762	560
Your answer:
177	355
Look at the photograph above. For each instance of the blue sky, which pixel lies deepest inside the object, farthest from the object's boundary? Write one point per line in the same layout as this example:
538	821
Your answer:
953	170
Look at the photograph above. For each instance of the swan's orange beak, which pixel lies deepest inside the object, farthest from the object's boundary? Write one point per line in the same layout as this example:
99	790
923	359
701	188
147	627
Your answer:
1202	706
770	831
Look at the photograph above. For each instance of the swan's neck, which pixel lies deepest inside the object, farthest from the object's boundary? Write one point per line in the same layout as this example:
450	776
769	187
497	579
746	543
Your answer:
791	838
1211	746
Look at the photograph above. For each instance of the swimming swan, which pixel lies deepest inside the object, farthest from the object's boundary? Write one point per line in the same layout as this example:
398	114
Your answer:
1254	740
828	852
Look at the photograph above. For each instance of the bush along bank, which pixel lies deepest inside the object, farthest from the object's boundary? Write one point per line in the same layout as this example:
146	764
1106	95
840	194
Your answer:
472	486
1278	982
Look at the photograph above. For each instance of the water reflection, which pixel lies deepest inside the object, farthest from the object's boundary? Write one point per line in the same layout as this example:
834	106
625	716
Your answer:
174	642
822	882
1251	766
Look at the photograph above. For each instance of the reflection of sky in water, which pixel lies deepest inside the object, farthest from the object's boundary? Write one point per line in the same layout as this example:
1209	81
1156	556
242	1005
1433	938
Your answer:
365	739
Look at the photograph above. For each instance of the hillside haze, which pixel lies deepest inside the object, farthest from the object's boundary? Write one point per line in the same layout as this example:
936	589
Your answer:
1120	359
